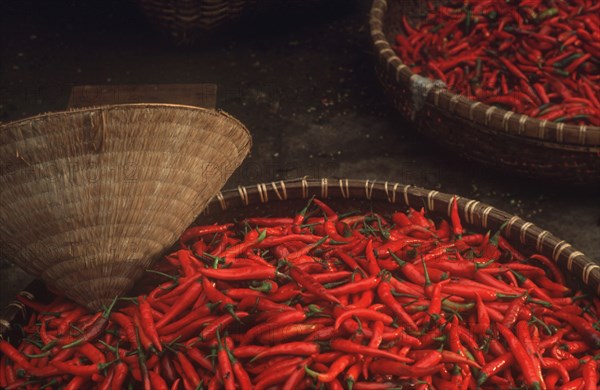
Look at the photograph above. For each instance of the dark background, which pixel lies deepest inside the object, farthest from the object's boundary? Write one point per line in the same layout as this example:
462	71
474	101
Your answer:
302	82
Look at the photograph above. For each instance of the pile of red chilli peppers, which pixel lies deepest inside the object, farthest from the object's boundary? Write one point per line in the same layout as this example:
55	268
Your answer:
536	57
323	300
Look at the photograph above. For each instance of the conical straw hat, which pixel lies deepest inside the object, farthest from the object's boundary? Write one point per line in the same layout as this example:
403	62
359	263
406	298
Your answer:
89	198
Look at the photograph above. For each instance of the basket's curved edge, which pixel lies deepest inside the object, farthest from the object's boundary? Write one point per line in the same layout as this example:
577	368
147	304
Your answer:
15	310
133	106
473	212
552	134
217	113
10	313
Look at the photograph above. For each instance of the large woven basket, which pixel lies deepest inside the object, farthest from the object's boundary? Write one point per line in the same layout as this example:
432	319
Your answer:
285	197
490	135
184	19
88	198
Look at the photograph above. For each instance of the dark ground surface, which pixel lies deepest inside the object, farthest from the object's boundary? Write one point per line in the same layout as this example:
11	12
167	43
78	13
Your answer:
303	85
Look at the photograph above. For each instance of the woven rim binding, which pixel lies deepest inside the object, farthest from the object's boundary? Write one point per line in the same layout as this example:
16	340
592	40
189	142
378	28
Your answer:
399	196
542	132
474	213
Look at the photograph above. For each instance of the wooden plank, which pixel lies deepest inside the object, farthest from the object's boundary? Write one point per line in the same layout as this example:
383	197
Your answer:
200	95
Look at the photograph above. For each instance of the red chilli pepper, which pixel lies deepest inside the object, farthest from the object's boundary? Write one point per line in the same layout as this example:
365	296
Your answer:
338	366
348	346
148	322
584	328
299	348
311	285
455	218
521	356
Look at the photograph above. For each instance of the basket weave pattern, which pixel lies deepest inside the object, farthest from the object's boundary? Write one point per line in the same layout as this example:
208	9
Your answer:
183	19
490	135
90	197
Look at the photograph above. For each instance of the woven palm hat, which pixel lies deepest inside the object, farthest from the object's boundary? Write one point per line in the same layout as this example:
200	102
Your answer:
90	197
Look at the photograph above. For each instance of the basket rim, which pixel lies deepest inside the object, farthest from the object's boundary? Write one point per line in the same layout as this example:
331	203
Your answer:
389	56
472	212
129	106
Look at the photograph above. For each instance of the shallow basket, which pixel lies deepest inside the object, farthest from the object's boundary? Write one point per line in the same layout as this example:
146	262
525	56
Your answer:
90	197
284	198
184	19
502	139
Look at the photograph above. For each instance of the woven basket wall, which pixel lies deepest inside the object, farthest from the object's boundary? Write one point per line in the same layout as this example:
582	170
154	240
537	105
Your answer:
498	138
89	198
283	198
184	19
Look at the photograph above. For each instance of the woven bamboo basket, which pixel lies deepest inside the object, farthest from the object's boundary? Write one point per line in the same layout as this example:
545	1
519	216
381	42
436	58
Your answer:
90	197
184	19
285	197
502	139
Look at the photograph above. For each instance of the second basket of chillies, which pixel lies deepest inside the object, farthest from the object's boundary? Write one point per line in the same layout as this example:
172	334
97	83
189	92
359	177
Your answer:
510	84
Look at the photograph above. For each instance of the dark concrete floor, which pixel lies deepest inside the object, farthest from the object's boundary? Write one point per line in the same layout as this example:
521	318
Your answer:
304	86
